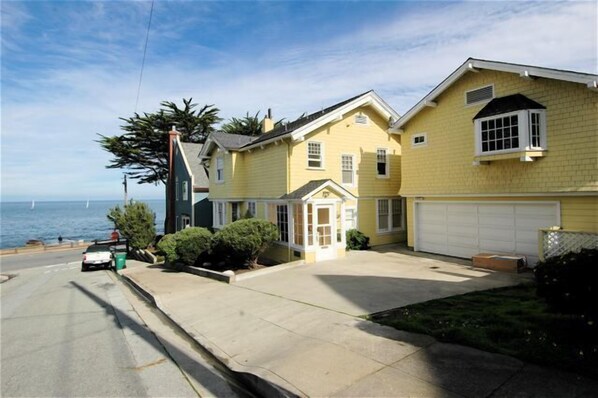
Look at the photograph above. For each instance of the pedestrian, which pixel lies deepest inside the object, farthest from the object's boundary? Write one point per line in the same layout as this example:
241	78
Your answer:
114	235
59	238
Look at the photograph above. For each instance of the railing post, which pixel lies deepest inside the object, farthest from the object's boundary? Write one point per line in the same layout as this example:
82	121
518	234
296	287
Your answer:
541	244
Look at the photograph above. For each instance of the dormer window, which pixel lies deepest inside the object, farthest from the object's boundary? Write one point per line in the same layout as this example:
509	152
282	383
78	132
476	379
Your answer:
508	124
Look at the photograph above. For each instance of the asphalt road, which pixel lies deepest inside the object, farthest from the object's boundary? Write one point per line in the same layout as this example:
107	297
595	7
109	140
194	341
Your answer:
69	333
14	262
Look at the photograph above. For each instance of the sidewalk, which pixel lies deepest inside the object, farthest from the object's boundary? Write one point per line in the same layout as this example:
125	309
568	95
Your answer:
296	348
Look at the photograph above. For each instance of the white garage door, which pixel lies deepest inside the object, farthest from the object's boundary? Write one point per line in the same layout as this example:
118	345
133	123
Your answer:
466	229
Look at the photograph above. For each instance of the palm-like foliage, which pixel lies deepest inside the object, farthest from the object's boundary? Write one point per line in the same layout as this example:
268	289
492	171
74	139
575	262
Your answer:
143	149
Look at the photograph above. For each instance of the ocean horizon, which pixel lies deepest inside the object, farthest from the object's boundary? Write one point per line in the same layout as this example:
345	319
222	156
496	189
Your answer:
73	220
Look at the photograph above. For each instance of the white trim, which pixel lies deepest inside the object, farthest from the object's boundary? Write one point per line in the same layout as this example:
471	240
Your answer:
391	228
355	215
387	175
335	186
419	144
575	77
353	179
499	195
368	99
254	202
361	115
322	165
477	103
221	158
494	202
215	223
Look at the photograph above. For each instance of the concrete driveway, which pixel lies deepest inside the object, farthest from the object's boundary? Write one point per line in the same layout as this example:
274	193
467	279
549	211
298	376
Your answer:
365	282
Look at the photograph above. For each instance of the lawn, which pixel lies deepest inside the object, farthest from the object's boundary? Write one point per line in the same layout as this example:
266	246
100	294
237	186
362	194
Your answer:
511	321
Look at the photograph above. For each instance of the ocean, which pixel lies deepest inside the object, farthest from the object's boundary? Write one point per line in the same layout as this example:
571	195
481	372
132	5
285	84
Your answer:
73	220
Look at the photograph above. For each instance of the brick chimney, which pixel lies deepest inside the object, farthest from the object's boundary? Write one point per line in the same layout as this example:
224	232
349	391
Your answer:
267	123
173	135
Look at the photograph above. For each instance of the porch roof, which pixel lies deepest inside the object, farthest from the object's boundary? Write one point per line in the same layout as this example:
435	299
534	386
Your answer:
306	191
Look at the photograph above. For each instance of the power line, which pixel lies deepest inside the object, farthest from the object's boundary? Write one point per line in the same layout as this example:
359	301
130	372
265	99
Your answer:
149	24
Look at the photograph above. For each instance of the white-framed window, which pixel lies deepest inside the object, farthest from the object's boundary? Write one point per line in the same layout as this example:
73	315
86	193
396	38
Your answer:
282	222
219	214
479	95
185	221
511	132
419	140
347	169
251	209
361	119
219	169
389	213
185	189
298	224
235	211
315	155
382	169
176	188
351	218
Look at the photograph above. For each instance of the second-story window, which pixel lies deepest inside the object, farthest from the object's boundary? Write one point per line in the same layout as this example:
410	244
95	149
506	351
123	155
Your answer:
219	169
185	190
347	169
314	155
382	163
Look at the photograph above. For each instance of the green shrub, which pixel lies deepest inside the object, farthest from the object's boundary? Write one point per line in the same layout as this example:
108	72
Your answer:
167	247
192	243
135	223
569	283
244	240
356	240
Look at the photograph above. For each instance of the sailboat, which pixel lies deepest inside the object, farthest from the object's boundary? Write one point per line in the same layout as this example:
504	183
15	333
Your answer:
32	204
87	205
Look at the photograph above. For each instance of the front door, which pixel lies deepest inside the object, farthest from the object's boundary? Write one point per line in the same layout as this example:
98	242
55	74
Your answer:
325	248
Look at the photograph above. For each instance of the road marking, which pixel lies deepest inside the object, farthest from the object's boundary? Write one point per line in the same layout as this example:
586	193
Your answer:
58	265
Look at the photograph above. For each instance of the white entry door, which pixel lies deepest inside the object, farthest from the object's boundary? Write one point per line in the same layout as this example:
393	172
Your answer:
325	218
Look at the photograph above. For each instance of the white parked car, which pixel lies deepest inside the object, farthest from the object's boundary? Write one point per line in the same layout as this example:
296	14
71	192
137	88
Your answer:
97	256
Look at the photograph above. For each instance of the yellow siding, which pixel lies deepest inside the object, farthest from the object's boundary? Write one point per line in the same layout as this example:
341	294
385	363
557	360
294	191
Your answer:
445	167
578	213
264	172
367	224
361	141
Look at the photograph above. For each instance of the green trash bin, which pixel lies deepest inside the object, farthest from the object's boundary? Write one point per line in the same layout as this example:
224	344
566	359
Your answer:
120	261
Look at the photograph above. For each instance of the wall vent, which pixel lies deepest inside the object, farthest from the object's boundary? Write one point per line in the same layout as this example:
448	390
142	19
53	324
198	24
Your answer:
481	94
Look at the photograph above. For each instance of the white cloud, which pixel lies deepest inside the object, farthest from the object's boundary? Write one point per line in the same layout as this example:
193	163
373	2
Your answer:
50	119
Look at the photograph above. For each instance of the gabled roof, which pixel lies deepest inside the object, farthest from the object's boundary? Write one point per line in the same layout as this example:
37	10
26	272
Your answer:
192	160
312	187
231	141
510	103
306	124
473	65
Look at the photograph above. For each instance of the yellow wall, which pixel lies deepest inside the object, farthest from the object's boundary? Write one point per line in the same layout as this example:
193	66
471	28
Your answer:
444	166
578	213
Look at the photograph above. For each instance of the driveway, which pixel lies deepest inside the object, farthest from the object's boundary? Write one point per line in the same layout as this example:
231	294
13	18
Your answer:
371	281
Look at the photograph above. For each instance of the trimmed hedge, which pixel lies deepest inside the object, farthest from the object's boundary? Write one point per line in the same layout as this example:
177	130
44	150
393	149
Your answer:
192	243
244	240
569	283
167	246
356	240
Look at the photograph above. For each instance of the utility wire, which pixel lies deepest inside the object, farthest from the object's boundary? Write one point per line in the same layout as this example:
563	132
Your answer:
149	24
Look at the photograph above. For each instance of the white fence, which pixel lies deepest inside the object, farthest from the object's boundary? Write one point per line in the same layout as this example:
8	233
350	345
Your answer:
558	242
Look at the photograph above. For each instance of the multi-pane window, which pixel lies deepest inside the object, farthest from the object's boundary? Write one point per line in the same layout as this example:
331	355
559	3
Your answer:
534	129
298	224
500	133
390	214
176	188
350	218
219	169
251	209
282	221
235	211
382	162
314	154
220	216
419	140
347	169
185	189
511	132
382	214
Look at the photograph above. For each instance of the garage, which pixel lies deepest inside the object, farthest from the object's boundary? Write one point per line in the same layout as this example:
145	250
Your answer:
463	229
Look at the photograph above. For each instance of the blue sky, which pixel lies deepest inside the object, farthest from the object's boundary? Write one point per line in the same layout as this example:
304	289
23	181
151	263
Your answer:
70	69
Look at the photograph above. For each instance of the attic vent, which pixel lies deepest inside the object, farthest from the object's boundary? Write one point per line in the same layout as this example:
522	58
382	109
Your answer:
479	95
361	119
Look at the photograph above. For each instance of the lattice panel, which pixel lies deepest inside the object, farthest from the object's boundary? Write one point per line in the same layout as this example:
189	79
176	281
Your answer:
556	243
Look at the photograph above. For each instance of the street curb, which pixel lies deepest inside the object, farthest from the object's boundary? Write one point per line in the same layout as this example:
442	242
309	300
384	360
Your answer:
259	384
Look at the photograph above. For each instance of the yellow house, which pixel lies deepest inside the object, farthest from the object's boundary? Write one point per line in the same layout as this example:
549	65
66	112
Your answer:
315	178
494	153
